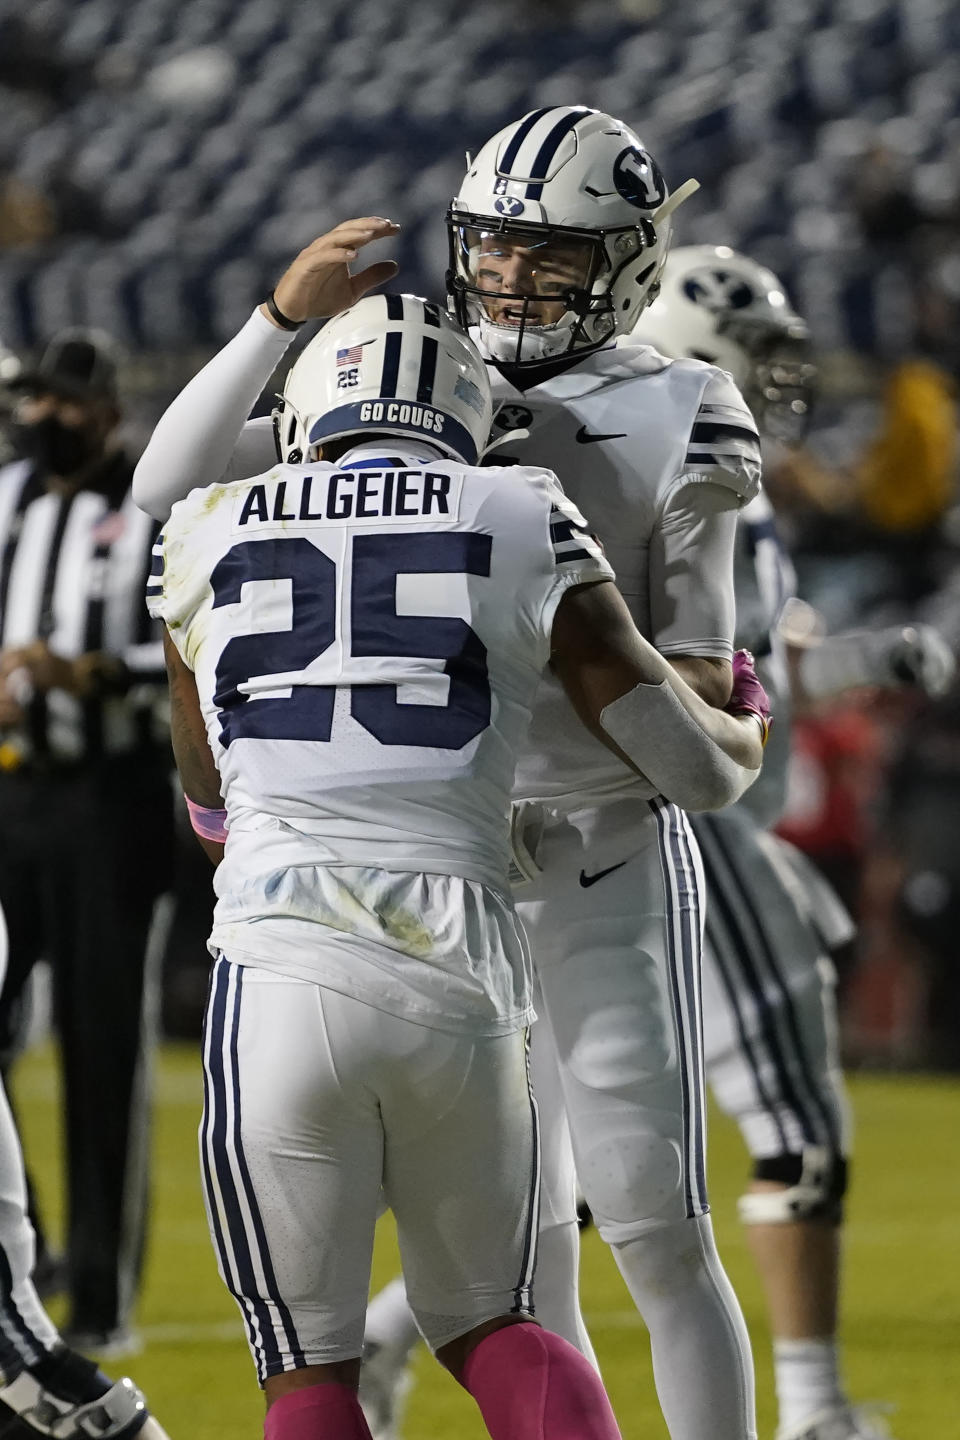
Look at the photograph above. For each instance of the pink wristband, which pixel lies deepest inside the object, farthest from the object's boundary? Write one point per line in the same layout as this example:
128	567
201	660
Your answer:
749	696
209	824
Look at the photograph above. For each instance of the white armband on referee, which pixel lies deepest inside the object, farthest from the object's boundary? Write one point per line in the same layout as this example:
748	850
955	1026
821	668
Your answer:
651	725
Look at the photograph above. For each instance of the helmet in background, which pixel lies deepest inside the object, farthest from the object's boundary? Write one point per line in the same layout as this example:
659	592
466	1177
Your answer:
722	307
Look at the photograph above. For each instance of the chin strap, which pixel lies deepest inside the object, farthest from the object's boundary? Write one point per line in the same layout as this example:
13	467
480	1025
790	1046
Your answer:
674	200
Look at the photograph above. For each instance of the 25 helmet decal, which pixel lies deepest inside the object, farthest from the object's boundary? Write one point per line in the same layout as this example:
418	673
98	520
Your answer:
637	177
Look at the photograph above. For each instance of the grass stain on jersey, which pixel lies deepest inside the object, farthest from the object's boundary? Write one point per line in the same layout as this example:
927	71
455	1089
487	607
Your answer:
407	931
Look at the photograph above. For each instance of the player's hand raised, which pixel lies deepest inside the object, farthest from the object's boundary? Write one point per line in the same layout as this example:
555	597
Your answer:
319	282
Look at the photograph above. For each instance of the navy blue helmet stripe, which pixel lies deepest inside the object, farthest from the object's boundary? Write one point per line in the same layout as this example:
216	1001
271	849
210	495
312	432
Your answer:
391	358
431	313
549	149
521	133
394	307
428	369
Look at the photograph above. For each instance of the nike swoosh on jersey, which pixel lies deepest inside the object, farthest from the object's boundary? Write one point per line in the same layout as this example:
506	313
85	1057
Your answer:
584	437
587	880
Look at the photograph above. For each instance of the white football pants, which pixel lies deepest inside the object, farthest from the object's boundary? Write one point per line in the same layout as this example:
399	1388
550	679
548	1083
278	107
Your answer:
615	928
313	1102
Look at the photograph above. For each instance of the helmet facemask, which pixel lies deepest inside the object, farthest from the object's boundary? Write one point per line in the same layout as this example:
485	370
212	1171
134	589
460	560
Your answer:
782	383
537	292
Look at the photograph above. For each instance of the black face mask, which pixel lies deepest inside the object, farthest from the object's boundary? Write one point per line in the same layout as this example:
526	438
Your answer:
55	448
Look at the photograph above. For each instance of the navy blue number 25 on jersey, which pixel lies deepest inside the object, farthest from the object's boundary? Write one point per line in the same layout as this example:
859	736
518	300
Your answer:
376	630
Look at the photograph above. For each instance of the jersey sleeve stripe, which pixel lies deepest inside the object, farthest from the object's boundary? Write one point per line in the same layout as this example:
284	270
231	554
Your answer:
709	430
570	538
722	454
734	414
562	529
154	585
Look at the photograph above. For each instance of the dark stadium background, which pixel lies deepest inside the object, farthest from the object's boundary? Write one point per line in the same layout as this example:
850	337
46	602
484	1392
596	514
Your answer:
161	161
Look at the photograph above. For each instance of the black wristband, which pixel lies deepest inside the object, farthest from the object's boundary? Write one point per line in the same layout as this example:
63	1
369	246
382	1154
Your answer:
282	320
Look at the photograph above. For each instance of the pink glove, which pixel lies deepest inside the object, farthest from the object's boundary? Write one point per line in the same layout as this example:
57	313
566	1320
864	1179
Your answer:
749	696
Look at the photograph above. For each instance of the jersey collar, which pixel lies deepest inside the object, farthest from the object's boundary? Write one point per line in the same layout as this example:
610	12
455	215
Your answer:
389	455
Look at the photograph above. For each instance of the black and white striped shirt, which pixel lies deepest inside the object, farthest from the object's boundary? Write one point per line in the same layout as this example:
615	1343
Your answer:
73	566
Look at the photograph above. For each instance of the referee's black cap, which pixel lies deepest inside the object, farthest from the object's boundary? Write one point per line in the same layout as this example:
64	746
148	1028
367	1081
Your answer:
78	364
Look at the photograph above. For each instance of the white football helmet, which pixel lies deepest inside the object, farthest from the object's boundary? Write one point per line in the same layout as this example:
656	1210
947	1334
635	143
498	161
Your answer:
720	306
558	234
393	364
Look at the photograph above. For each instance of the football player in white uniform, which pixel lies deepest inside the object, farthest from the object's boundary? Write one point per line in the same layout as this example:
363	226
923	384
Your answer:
770	1031
45	1387
355	639
558	236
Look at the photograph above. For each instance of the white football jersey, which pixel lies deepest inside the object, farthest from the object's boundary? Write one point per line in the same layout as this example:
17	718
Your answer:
659	456
367	640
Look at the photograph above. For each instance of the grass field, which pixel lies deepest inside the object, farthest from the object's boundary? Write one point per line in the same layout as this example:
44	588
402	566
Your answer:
902	1300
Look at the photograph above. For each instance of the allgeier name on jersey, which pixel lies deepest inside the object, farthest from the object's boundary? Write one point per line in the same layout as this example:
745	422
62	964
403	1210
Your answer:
395	495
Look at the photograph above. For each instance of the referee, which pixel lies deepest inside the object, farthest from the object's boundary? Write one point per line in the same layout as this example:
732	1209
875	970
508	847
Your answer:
86	828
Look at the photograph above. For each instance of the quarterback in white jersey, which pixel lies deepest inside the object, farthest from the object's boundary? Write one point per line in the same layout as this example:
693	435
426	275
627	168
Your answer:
558	236
355	645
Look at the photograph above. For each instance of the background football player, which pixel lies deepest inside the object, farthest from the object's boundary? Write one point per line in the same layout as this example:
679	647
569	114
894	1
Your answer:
770	1025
